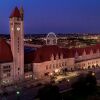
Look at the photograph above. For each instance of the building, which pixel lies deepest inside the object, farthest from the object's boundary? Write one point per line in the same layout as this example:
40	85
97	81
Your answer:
50	59
17	42
12	55
18	62
6	63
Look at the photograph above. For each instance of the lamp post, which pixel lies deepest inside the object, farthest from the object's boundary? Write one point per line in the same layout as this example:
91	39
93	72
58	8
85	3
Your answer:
18	95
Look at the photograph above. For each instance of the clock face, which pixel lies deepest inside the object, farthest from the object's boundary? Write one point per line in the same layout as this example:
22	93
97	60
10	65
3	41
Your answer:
18	29
12	29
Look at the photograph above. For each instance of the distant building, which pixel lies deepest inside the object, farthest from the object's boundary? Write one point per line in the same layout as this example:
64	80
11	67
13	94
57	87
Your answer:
18	62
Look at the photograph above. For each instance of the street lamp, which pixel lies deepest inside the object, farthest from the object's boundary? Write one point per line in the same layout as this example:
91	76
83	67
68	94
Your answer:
17	92
93	74
68	80
18	95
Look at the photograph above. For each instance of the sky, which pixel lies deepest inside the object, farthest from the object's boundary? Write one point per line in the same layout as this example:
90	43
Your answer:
43	16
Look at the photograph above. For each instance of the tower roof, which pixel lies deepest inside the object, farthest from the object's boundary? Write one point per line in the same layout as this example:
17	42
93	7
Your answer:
15	13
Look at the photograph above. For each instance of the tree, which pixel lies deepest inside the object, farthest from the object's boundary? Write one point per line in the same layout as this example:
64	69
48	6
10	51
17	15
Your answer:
49	92
91	82
85	84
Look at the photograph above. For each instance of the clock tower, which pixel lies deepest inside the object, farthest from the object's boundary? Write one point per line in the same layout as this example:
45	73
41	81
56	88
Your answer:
17	42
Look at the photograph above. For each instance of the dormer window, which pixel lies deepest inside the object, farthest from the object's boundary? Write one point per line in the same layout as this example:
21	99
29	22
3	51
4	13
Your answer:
57	57
91	52
76	54
97	51
52	57
84	53
61	56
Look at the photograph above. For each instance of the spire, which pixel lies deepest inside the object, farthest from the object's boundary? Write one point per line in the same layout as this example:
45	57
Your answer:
22	12
15	13
21	9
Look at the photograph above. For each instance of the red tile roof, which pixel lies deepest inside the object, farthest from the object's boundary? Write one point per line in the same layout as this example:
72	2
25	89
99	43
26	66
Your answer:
5	52
93	48
15	13
44	53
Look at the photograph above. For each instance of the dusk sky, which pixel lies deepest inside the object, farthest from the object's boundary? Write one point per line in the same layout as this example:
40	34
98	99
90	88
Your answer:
43	16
